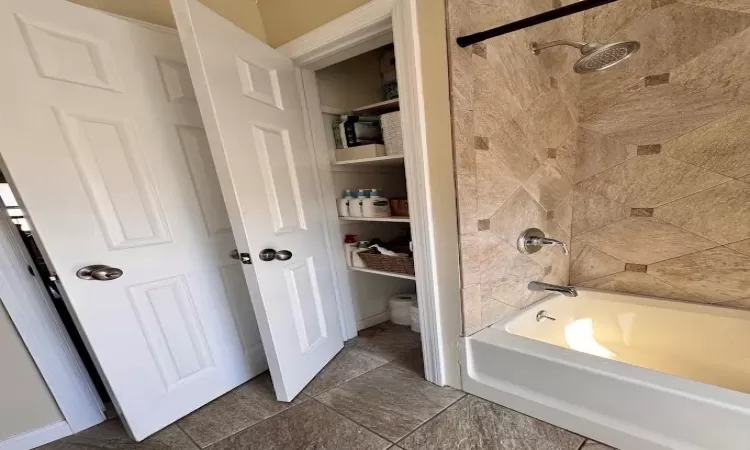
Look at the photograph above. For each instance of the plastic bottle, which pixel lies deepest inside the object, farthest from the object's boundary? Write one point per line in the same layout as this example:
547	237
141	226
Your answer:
350	246
376	206
343	203
355	205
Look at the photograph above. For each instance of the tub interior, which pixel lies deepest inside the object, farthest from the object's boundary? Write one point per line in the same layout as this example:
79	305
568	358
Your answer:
701	343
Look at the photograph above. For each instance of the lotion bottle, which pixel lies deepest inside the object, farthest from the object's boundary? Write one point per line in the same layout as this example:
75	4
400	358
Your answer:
355	205
343	203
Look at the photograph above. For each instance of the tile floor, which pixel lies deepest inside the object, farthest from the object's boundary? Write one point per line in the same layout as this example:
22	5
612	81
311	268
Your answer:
372	396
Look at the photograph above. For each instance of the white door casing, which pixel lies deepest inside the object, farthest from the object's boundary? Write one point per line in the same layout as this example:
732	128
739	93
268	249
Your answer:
101	135
249	96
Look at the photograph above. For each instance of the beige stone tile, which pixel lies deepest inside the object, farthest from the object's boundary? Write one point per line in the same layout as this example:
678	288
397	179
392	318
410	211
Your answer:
349	363
745	179
390	401
644	240
743	303
567	153
461	77
492	93
476	248
741	247
494	311
715	275
495	184
515	150
656	114
466	191
724	69
598	152
720	146
721	214
638	283
568	84
111	435
600	90
471	306
548	118
602	22
520	212
588	263
684	32
731	5
591	211
650	181
473	423
563	214
548	185
463	139
507	262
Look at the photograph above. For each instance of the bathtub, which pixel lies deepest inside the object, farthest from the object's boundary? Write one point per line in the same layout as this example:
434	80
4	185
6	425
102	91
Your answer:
633	372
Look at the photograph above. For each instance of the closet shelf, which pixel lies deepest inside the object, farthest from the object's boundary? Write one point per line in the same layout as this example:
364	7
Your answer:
379	108
381	272
399	219
391	160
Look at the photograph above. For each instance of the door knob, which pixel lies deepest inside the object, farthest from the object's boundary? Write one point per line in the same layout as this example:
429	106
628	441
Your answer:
270	254
243	257
99	272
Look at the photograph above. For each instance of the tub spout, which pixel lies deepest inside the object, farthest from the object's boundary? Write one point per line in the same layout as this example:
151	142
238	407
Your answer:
568	291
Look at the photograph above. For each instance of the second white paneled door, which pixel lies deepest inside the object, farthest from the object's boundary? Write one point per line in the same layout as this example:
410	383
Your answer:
101	134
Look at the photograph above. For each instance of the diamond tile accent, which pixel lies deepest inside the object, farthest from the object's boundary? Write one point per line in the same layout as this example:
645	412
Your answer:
479	49
481	143
649	149
651	181
587	263
642	212
684	32
644	240
655	80
637	283
636	268
713	148
657	114
721	214
715	275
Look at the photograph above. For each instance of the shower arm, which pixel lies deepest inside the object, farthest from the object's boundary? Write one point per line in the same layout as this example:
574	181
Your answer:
537	48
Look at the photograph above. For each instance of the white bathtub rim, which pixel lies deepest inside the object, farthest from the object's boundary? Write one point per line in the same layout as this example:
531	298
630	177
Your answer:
680	305
708	393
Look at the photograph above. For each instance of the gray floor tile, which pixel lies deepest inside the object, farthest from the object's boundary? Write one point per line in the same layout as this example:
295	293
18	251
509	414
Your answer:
308	426
351	362
110	435
387	341
390	400
593	445
476	424
234	411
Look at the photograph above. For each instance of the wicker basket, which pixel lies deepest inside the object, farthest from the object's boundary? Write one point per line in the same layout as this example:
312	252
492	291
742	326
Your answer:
392	136
396	264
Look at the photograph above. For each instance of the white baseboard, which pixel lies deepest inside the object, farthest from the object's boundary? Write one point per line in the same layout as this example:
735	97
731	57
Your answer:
373	320
38	437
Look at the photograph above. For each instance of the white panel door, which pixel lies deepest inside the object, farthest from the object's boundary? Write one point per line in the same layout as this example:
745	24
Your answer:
251	105
100	132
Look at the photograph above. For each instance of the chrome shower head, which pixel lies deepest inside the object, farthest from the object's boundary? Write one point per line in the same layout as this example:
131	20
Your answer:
595	56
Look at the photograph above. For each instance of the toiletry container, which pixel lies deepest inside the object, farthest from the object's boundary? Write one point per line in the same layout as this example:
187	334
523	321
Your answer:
376	206
343	203
361	246
414	313
350	246
400	308
355	205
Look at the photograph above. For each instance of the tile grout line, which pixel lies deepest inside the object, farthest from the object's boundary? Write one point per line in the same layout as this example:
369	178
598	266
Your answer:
465	394
179	427
330	408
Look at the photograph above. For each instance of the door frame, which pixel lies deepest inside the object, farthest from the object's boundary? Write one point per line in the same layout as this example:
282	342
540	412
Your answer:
43	333
371	26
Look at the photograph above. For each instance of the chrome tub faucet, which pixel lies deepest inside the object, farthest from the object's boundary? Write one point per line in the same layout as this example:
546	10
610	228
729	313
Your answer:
538	286
533	239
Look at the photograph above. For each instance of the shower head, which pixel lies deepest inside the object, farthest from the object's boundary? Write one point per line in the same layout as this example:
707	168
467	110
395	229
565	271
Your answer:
594	56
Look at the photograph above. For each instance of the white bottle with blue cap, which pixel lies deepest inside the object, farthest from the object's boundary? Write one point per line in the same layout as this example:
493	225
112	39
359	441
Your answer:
376	206
343	203
355	205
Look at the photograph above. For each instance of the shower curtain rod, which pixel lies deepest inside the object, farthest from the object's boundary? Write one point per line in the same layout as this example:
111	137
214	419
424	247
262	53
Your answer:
573	8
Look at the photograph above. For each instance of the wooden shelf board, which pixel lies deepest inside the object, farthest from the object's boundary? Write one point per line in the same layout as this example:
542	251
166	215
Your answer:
398	219
378	108
391	160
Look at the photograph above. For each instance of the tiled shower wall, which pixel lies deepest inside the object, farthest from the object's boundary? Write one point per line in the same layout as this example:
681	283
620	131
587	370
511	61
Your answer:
662	195
514	122
645	165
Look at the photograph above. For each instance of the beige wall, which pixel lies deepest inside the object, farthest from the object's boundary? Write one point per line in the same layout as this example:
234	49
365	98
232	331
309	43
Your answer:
662	202
286	20
25	402
512	119
243	13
